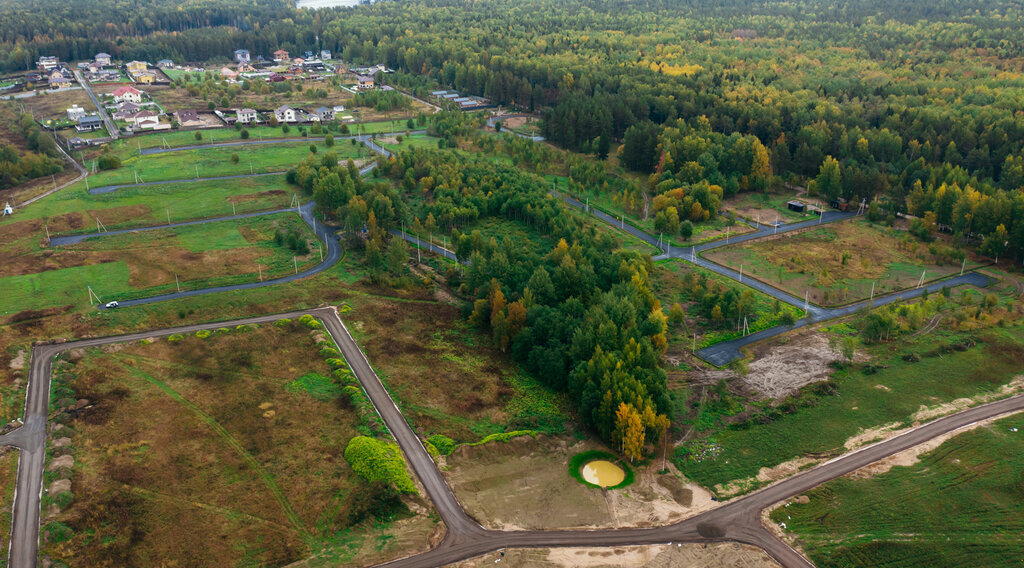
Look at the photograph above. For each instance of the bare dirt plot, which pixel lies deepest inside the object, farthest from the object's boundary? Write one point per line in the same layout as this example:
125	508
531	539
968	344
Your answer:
725	555
783	367
525	484
209	452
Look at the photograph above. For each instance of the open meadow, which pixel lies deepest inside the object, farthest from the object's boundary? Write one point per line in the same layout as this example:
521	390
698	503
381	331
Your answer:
148	263
839	263
212	449
949	505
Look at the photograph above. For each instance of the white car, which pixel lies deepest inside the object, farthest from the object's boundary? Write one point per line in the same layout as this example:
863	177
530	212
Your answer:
111	305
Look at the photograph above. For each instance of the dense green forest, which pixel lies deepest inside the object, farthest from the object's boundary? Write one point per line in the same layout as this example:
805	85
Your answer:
863	100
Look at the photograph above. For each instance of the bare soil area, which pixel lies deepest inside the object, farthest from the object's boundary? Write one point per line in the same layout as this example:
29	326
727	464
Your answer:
525	484
725	555
782	368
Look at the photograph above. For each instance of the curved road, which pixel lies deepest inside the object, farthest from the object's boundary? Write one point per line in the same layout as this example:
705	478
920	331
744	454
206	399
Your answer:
737	520
151	151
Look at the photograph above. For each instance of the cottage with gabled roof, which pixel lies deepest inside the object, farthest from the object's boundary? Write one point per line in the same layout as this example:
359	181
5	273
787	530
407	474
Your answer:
88	123
188	118
102	59
284	113
130	94
325	114
247	116
281	56
137	66
59	82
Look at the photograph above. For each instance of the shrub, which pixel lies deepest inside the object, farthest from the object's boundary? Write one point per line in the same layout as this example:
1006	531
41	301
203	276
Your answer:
310	322
328	352
175	337
443	444
57	533
283	322
375	460
336	363
245	327
203	333
244	134
344	309
108	162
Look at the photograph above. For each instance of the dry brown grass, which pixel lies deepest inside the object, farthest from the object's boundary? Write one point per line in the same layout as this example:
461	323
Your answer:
55	105
193	481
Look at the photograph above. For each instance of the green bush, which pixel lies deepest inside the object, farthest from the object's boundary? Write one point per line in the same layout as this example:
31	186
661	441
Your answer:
283	322
344	376
504	436
328	352
57	533
245	327
310	322
375	460
175	337
443	444
222	330
431	450
336	363
203	333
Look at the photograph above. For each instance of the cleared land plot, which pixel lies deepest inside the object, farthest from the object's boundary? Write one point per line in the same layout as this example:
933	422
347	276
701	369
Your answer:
414	141
208	452
525	484
8	475
54	105
146	263
838	263
738	458
75	210
698	291
725	555
959	505
448	379
211	162
769	207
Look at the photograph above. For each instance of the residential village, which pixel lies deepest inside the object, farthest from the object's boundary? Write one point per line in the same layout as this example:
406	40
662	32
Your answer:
136	97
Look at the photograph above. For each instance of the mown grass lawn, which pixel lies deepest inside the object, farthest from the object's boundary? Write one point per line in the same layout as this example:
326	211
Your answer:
212	162
861	401
960	505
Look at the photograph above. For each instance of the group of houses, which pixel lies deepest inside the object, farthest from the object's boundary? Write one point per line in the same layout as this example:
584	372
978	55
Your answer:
287	114
51	71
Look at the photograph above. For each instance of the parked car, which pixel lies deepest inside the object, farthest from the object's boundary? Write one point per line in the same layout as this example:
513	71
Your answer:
112	304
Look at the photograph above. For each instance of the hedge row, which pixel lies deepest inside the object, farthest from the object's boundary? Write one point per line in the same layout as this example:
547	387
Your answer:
376	460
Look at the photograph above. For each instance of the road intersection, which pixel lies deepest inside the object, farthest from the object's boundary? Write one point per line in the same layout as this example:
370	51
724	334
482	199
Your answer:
737	520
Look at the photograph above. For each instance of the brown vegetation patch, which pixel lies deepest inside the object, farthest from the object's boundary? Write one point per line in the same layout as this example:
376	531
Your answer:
236	199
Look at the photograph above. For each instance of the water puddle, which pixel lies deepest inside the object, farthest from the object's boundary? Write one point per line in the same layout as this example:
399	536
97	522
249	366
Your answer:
603	473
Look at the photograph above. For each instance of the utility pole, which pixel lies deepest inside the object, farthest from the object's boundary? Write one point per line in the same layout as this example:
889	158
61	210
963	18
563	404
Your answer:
806	303
296	263
176	284
921	281
168	211
962	266
197	171
741	274
47	229
260	268
871	299
694	348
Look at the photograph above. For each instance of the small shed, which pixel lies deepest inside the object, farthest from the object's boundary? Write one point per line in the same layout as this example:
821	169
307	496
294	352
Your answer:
798	206
839	203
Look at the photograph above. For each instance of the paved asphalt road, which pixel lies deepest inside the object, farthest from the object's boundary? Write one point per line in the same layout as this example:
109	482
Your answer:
113	188
111	127
82	173
737	520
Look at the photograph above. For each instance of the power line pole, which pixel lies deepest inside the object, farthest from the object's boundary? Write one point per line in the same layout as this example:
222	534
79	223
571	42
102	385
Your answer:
176	283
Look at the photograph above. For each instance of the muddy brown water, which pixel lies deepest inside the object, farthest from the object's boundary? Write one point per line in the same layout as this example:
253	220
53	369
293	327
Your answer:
603	473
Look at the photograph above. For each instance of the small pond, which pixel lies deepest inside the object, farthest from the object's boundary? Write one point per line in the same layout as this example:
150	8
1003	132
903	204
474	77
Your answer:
603	473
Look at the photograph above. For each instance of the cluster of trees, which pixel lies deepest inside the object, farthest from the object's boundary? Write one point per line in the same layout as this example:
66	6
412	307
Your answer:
33	154
382	101
579	317
292	239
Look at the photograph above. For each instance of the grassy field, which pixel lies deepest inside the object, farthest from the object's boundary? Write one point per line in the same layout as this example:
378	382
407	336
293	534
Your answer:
838	263
74	210
447	379
145	264
672	284
8	474
210	162
208	452
414	141
960	505
893	394
767	207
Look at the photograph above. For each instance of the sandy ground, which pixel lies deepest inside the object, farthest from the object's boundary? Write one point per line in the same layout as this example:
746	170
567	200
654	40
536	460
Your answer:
525	484
18	361
724	555
927	413
782	367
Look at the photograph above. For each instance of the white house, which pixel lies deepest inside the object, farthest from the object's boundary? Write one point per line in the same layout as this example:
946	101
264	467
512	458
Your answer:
102	59
130	94
247	116
285	113
75	112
